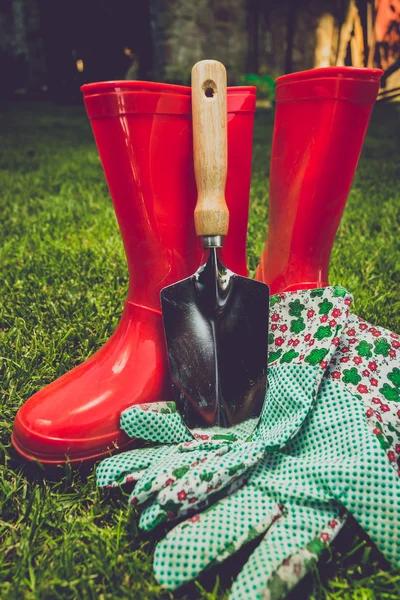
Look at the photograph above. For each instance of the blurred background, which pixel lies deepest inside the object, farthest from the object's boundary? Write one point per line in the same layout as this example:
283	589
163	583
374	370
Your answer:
48	48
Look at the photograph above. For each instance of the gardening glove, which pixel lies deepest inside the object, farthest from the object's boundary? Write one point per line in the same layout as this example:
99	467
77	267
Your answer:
162	471
337	461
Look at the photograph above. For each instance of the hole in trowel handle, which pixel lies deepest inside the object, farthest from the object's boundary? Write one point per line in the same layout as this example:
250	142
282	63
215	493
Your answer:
210	89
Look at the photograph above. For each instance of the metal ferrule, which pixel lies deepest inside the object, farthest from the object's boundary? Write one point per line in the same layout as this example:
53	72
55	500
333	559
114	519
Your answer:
213	241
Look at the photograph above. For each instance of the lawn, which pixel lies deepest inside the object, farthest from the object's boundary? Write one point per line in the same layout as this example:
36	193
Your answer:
63	281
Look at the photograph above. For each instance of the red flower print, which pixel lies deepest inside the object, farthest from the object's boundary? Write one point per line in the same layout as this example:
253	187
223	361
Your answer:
347	302
336	313
351	332
398	413
362	389
301	357
182	495
376	400
357	360
377	431
363	326
169	481
333	524
324	318
296	342
345	349
369	412
274	327
395	336
336	341
283	328
290	342
376	334
379	418
391	456
332	323
194	519
134	500
366	373
397	448
193	500
312	342
392	353
336	375
372	366
310	313
307	337
385	407
275	317
396	345
345	359
195	463
323	364
352	341
372	329
325	537
279	341
374	382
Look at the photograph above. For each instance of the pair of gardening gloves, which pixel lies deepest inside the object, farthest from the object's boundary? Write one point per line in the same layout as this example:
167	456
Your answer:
327	444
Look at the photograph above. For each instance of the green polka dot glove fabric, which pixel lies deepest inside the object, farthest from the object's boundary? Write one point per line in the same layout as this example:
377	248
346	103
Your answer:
326	444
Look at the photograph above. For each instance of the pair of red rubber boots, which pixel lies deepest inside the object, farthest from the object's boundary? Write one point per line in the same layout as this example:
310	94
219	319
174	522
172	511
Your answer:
143	135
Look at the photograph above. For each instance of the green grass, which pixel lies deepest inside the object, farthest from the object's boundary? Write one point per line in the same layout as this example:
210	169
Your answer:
63	281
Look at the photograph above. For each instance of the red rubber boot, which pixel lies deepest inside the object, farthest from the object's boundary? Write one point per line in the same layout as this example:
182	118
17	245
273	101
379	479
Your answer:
144	137
320	124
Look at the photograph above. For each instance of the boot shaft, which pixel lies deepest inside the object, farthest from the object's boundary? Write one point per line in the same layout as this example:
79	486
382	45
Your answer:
320	124
143	133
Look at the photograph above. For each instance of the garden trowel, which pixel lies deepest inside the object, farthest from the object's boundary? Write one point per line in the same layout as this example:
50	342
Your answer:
216	322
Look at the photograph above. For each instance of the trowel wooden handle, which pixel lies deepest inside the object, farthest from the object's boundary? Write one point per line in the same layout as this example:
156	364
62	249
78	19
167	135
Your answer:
209	115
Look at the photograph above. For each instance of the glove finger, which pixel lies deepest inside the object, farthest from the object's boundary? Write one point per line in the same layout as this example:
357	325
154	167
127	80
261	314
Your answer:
207	475
154	514
156	422
170	470
301	534
212	536
129	466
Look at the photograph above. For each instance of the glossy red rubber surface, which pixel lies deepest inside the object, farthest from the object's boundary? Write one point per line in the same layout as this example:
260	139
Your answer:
320	124
144	138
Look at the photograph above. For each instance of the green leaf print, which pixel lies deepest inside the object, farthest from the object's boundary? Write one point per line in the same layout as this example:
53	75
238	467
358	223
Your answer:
289	356
180	471
389	392
394	377
206	476
296	308
316	356
385	442
324	307
382	347
339	292
323	332
297	325
273	356
364	349
351	376
234	469
274	300
271	338
317	293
